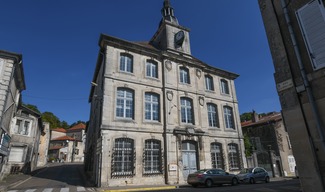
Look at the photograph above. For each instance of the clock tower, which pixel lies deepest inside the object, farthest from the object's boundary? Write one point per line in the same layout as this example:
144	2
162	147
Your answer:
171	36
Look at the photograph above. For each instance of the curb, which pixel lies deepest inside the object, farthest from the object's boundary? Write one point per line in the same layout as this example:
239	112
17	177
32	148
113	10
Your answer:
140	189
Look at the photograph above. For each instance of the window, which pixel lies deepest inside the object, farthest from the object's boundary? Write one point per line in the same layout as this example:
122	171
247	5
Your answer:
126	63
124	103
233	156
229	119
152	107
184	76
216	155
186	110
123	157
22	127
151	69
213	115
152	157
209	83
311	19
224	86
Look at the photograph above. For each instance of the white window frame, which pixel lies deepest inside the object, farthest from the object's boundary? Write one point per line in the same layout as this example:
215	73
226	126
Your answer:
150	105
22	129
123	66
224	84
184	75
311	19
209	85
152	69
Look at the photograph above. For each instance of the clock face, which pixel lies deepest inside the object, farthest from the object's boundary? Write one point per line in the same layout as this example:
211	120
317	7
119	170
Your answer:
179	38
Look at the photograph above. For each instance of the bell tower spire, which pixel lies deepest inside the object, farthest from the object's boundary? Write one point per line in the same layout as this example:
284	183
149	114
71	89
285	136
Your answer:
168	13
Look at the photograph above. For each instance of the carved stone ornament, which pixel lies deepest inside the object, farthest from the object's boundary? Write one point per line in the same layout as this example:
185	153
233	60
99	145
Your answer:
201	100
168	65
198	73
170	95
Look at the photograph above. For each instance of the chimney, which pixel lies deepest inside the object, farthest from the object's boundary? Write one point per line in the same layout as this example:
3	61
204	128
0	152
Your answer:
255	117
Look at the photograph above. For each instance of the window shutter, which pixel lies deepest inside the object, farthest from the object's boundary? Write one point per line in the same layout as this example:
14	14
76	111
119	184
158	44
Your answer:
311	19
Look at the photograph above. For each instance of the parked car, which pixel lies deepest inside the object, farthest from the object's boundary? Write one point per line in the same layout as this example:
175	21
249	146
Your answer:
252	175
209	177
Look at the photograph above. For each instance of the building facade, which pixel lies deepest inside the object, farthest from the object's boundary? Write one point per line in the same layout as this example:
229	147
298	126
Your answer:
158	113
25	132
44	145
296	35
12	83
271	146
67	145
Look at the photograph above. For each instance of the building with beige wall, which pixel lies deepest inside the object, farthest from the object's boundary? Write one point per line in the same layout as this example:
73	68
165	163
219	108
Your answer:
296	35
158	113
12	83
44	145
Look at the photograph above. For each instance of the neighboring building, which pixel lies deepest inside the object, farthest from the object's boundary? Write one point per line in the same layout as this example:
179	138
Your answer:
67	145
158	113
25	133
12	83
270	144
44	145
296	35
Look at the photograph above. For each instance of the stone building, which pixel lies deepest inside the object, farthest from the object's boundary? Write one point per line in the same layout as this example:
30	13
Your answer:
296	35
158	113
44	145
25	133
271	147
67	145
12	83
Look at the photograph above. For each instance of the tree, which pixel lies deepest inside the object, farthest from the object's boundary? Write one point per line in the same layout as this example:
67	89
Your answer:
32	107
64	125
246	117
52	119
248	146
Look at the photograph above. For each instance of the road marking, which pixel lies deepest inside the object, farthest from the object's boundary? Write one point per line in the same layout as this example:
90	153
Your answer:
48	190
30	190
64	190
81	189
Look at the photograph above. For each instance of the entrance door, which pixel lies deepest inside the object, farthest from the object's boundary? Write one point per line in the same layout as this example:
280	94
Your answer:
189	158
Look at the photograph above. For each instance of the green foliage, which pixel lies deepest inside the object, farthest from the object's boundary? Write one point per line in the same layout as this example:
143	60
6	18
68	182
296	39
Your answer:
32	107
64	125
248	146
52	119
246	117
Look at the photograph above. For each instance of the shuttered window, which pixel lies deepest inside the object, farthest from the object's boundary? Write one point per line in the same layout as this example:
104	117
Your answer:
16	154
311	19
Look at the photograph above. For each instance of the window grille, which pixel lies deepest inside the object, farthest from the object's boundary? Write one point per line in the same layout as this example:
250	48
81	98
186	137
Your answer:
123	157
217	156
152	158
233	156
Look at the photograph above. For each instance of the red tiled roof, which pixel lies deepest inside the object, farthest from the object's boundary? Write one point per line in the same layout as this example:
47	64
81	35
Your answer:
63	138
77	127
60	130
263	120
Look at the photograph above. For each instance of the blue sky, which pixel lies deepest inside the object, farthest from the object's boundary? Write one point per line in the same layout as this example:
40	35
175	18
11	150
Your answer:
59	43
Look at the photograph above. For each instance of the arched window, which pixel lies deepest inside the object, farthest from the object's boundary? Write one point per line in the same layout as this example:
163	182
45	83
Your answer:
152	107
152	159
233	156
187	110
126	62
184	75
123	159
213	115
125	103
209	83
216	155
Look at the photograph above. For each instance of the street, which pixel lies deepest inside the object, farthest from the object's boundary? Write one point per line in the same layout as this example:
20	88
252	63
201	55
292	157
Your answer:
66	177
57	177
292	185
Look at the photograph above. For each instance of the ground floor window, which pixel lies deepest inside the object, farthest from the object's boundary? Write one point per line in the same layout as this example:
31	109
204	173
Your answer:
123	157
233	156
152	157
216	155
